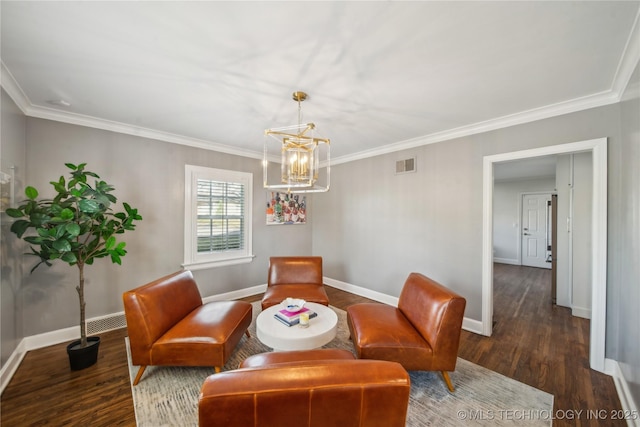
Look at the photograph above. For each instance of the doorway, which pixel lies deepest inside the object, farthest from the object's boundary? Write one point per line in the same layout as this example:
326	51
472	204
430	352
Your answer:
535	230
598	148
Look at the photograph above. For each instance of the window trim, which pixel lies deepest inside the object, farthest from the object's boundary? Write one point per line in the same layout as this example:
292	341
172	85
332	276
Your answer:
192	259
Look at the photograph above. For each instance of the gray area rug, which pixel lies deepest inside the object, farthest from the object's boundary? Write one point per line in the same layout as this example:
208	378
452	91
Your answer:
168	396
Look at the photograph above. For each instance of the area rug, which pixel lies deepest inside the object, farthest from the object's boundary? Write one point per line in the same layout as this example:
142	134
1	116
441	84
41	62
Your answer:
168	396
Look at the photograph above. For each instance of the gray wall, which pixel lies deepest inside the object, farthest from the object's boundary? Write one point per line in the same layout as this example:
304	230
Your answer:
507	208
623	337
377	227
372	228
12	154
429	221
149	175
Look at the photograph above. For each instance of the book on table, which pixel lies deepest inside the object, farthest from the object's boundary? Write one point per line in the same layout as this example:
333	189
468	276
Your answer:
291	318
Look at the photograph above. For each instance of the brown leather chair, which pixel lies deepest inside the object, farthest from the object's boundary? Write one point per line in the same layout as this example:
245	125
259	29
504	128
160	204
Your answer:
296	277
422	333
169	325
276	357
325	387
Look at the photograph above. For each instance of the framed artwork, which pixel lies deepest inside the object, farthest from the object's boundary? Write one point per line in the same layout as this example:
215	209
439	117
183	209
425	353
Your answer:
286	208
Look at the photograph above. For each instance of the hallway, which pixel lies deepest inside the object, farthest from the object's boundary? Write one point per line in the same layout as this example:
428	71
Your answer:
542	345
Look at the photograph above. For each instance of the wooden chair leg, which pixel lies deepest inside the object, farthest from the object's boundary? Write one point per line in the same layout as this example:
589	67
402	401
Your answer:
139	375
447	380
247	333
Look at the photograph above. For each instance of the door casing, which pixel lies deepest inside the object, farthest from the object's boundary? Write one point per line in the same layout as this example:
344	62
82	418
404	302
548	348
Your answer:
598	148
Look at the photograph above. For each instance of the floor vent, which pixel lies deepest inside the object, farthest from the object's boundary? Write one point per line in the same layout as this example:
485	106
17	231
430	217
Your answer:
406	165
106	323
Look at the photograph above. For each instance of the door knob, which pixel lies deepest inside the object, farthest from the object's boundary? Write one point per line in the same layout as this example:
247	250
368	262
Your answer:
527	234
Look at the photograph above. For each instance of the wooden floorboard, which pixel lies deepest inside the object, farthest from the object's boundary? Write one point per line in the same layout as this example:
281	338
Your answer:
544	346
533	342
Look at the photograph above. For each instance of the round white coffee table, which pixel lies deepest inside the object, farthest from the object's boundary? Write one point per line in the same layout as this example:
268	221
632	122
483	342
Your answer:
321	330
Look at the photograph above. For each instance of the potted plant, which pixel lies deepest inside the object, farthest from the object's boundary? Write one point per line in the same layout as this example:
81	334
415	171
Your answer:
77	226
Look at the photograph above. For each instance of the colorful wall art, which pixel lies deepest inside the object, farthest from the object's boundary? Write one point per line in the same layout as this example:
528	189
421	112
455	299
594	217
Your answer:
286	208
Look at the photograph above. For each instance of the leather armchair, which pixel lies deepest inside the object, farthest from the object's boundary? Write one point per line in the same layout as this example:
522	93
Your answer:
169	325
422	333
297	277
326	387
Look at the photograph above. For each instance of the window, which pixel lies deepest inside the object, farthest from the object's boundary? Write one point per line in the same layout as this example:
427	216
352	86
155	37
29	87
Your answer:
217	212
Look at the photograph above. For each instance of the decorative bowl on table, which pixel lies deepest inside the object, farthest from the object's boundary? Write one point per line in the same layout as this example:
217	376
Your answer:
293	304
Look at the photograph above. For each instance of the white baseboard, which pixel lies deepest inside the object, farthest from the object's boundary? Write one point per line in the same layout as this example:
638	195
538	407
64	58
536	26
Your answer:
581	312
68	334
35	342
247	292
612	367
46	339
73	333
11	365
470	325
363	292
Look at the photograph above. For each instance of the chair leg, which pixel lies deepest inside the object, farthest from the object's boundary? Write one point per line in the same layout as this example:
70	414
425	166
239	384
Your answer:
447	380
139	375
247	333
218	369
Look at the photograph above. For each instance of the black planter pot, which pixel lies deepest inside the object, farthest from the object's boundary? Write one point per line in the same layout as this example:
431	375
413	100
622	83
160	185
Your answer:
80	358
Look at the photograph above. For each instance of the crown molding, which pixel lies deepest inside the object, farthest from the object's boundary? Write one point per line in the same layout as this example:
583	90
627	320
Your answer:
93	122
566	107
629	60
624	71
13	89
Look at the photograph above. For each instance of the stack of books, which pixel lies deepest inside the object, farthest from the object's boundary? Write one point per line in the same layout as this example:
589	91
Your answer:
291	318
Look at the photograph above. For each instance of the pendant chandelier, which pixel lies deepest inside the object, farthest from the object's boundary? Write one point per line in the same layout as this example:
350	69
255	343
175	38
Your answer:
303	157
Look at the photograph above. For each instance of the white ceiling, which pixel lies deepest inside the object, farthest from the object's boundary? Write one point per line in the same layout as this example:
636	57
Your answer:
380	75
534	167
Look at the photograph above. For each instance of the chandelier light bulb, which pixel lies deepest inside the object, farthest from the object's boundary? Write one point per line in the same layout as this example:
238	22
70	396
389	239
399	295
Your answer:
300	151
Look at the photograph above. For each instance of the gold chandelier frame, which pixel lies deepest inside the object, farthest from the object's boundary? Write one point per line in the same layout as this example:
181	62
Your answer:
300	156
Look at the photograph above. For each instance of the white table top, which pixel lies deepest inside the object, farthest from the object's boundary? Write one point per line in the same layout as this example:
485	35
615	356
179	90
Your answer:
322	329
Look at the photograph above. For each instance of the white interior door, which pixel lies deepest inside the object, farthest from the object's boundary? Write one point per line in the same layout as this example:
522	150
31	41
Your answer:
534	230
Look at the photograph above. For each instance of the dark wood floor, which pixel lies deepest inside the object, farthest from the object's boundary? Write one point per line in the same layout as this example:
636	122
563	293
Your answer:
533	342
543	346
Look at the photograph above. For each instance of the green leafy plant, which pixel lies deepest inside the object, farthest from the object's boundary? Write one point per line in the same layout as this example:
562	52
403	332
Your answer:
77	226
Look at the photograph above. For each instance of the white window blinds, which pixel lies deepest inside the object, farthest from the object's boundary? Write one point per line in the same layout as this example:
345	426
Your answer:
217	217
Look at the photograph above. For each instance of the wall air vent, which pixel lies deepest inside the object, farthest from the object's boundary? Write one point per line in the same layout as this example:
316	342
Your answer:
406	165
106	323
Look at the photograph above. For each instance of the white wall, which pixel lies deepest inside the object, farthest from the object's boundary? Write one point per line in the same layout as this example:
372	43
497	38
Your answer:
507	208
574	174
581	234
12	155
563	247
